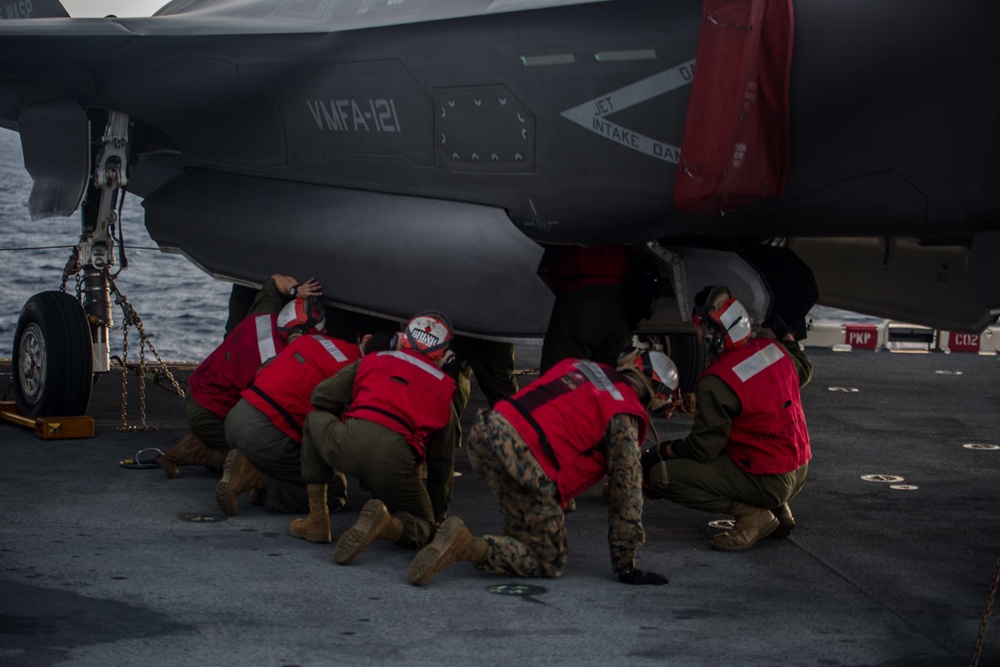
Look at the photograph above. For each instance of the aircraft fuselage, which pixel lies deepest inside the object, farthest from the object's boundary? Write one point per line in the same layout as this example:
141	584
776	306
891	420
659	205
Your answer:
569	117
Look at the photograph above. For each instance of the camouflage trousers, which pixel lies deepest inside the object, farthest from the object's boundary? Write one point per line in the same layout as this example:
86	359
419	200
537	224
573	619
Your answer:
534	526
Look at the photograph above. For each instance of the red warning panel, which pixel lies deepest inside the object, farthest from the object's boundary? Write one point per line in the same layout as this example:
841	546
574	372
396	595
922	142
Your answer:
735	150
863	336
963	342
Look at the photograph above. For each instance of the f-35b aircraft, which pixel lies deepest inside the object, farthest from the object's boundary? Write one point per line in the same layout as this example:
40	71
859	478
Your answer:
418	154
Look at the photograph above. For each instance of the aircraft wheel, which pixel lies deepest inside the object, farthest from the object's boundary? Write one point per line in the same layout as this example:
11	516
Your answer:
53	362
689	355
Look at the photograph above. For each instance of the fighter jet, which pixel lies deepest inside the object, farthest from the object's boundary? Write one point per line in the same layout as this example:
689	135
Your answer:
420	154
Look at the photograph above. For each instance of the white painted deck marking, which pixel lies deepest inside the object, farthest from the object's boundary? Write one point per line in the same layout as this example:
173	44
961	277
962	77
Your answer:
882	478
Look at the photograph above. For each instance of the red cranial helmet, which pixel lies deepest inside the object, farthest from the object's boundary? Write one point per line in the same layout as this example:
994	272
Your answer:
428	333
302	316
727	320
657	372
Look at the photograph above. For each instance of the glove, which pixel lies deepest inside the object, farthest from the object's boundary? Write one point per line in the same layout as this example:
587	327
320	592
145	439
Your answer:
639	578
777	326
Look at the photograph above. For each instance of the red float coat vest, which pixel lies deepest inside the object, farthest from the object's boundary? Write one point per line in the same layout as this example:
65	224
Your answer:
769	436
283	388
404	392
563	417
230	368
576	267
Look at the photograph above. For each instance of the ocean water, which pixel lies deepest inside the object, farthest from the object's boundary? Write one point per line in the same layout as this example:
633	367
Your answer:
183	309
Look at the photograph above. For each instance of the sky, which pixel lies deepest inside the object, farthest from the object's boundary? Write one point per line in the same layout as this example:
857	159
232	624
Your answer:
122	8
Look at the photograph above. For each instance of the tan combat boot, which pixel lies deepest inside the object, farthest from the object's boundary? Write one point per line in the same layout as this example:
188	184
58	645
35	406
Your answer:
752	525
238	475
452	542
374	523
316	526
190	451
786	522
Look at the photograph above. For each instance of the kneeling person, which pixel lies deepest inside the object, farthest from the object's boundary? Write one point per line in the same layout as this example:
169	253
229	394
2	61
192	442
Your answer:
215	385
265	426
748	452
398	414
547	444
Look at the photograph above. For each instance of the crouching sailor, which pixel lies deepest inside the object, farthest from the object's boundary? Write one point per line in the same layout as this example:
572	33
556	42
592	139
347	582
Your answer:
397	413
748	452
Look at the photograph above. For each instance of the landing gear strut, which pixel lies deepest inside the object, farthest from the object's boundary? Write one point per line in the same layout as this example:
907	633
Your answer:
59	344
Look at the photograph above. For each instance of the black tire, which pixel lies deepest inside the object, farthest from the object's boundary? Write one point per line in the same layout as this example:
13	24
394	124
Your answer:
53	357
689	355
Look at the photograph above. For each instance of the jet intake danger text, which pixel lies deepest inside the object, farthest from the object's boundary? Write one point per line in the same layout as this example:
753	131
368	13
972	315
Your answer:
594	114
635	141
602	107
350	115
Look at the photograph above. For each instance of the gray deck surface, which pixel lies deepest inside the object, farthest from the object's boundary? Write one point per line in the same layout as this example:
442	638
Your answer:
97	567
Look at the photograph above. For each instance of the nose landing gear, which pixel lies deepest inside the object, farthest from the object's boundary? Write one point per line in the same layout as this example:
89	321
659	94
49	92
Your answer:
59	343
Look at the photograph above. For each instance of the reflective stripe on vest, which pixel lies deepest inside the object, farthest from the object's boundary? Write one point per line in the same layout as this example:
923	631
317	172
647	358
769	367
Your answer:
758	362
422	365
331	349
265	337
599	378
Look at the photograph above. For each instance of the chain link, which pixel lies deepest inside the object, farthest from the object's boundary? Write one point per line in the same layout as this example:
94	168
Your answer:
990	599
130	318
125	426
71	268
142	382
